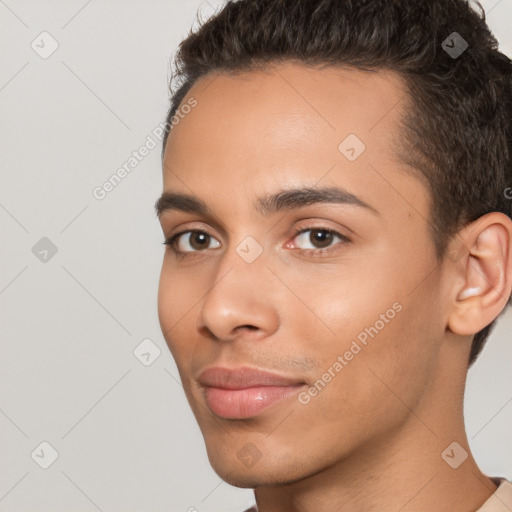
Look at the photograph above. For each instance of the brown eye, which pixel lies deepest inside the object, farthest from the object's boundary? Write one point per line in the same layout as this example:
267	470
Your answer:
321	237
318	238
191	241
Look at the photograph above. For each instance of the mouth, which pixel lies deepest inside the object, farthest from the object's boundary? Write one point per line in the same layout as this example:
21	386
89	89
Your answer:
241	393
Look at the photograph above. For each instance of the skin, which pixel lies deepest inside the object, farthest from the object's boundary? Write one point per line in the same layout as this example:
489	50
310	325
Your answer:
372	438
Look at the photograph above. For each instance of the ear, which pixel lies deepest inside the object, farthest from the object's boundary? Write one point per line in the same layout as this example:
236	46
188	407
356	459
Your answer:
483	272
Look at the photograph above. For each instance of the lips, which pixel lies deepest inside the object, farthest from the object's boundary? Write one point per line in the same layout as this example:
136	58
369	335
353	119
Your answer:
242	378
244	392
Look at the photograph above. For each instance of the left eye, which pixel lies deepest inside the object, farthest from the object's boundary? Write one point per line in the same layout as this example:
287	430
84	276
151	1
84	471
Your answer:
318	238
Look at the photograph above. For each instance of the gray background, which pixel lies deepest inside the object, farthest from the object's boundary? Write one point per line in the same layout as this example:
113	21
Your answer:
125	436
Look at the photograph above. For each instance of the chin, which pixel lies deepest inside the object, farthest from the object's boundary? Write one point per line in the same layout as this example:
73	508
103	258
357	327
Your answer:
243	481
252	478
231	468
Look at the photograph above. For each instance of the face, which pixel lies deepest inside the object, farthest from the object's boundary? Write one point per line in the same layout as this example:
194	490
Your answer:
338	293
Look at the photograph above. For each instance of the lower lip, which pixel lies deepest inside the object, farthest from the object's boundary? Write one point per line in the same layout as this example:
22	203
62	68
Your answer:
248	402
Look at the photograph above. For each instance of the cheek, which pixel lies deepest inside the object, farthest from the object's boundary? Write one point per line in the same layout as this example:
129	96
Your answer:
175	303
382	346
165	300
178	292
370	391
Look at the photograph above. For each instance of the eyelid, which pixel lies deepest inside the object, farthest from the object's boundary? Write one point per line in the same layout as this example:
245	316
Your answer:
190	226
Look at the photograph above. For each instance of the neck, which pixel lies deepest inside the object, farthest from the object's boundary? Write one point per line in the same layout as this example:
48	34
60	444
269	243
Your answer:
404	473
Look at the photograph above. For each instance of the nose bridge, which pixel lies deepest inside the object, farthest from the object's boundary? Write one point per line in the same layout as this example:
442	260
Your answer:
239	295
243	262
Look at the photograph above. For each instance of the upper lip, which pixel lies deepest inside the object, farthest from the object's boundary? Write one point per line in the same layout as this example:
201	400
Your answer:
243	377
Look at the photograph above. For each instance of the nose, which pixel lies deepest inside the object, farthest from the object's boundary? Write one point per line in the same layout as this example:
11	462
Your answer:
240	300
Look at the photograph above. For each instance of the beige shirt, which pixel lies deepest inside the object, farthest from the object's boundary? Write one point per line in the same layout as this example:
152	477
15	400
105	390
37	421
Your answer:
500	501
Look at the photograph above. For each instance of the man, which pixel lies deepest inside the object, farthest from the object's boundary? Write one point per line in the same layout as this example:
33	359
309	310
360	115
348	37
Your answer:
336	210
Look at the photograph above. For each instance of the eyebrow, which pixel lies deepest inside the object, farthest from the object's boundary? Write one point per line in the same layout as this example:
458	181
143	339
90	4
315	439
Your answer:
267	205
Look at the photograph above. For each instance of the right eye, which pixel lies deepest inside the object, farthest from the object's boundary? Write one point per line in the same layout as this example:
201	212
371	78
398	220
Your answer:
194	241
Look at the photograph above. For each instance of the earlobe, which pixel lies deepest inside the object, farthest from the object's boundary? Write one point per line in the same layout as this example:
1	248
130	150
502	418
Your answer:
485	273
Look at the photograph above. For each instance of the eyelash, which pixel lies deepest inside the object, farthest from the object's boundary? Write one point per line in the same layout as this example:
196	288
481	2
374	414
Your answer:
171	242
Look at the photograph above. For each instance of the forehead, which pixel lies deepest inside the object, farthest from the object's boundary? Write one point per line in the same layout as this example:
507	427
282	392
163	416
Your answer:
288	125
295	101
